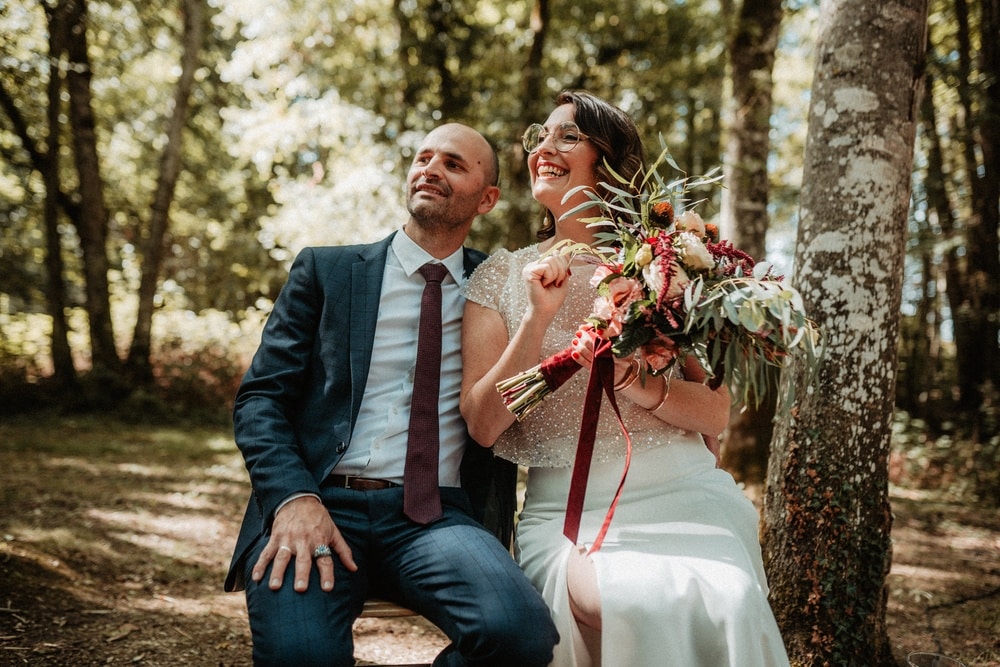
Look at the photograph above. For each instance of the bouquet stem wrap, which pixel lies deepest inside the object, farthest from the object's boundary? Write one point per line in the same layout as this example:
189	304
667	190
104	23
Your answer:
525	391
602	380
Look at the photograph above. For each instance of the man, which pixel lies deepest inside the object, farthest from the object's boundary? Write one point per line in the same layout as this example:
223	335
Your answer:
323	419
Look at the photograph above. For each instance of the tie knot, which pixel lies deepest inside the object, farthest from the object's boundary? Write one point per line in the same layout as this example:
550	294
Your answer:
433	272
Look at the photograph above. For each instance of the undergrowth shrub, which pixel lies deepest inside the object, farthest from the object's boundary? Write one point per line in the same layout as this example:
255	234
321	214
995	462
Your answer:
197	361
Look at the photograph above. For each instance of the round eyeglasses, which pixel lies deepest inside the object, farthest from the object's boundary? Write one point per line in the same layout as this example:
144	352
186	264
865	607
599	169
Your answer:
564	138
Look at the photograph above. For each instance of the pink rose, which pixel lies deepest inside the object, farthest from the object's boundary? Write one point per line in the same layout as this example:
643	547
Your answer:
657	354
602	272
606	311
689	221
623	291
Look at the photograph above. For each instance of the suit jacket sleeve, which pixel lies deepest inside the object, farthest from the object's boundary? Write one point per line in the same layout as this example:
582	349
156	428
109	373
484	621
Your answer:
279	388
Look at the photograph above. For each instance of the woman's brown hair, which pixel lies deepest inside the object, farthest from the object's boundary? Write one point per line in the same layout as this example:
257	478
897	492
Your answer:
615	136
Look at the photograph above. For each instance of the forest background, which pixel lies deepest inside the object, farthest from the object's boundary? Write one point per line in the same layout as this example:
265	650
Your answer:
162	162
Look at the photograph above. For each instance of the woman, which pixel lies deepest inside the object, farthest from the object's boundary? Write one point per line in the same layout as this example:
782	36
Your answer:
679	579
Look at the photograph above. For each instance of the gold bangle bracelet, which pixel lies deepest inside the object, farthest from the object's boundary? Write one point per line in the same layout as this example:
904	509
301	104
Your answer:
663	396
631	374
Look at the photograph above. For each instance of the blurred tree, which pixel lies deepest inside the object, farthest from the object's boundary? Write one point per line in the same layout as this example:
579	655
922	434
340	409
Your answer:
949	344
92	222
975	296
213	258
744	216
166	183
826	512
534	105
920	335
63	371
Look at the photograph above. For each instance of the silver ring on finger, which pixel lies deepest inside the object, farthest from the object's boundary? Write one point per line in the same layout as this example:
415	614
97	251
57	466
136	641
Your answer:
322	551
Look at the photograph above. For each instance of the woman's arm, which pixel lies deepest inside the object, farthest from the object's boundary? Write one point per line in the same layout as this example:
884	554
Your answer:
686	403
489	357
690	404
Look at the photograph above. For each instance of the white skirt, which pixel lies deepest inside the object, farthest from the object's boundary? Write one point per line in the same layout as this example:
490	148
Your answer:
680	572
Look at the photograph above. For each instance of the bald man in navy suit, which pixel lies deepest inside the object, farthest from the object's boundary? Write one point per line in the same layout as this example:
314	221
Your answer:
321	419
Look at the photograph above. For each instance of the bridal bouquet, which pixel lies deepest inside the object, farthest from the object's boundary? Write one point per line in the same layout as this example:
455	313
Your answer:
667	288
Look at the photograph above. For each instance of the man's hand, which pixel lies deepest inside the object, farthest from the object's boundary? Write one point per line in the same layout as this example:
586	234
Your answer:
299	527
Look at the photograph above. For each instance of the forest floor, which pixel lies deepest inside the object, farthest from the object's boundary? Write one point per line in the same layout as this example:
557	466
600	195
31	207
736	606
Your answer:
114	541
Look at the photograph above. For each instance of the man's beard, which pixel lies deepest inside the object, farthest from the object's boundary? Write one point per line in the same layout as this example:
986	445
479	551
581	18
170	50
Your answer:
438	215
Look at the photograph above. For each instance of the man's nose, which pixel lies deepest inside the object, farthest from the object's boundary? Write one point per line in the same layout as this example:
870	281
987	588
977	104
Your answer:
432	169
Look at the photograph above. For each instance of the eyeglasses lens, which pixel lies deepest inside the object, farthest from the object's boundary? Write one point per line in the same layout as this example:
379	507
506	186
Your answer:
565	137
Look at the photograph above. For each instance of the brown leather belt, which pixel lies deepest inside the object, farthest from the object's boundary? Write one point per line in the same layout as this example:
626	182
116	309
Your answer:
358	483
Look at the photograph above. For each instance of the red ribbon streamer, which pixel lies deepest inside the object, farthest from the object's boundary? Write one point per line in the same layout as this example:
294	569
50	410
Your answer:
602	378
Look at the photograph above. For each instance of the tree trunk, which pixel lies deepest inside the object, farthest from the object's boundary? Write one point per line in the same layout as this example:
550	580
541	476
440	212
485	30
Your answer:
744	199
170	166
923	362
522	226
64	372
826	516
976	310
984	258
93	221
984	245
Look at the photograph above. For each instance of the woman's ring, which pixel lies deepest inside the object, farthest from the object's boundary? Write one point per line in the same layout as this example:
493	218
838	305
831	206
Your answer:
322	551
285	547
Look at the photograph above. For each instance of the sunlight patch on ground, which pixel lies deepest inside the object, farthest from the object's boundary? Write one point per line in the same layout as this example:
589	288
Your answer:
46	540
76	464
193	497
227	605
177	537
968	542
29	550
145	470
233	471
176	549
928	573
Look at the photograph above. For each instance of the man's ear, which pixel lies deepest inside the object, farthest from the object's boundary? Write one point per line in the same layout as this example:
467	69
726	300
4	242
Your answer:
490	198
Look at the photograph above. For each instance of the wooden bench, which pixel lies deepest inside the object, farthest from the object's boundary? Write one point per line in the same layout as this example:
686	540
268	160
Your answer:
376	608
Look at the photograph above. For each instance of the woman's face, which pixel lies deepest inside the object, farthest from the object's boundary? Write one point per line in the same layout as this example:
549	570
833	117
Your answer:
554	173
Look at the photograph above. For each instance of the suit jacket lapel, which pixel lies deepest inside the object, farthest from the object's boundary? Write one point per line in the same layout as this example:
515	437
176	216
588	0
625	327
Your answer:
366	290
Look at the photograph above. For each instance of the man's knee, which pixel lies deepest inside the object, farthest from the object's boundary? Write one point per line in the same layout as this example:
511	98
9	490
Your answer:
291	628
525	638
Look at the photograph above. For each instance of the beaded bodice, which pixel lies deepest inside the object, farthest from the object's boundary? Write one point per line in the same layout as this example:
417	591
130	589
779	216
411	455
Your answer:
548	436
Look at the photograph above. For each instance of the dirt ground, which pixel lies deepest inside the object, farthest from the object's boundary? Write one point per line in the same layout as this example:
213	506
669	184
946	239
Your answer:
113	549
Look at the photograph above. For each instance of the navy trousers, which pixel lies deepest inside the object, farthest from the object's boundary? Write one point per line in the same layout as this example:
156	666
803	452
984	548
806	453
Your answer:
453	572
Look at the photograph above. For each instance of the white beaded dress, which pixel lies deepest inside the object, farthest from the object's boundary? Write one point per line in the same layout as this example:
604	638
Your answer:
680	572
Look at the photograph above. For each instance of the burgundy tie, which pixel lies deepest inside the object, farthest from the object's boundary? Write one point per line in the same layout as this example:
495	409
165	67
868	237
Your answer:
421	497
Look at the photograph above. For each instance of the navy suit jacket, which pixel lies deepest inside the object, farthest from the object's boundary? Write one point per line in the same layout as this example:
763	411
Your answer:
297	405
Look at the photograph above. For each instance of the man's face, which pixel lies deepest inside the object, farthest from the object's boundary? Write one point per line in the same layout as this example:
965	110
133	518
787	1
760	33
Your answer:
447	183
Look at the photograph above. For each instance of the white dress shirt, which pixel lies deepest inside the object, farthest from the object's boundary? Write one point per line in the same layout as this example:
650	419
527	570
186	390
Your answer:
378	446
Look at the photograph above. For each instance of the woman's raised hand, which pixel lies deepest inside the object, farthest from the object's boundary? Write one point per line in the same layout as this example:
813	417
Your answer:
546	283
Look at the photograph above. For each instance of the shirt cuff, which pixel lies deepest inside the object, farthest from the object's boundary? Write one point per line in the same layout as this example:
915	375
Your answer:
295	496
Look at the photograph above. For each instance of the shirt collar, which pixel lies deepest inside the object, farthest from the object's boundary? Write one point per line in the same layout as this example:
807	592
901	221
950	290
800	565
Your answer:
411	257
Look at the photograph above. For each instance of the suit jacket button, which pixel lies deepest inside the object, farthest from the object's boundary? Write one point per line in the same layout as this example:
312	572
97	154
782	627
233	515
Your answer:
341	448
